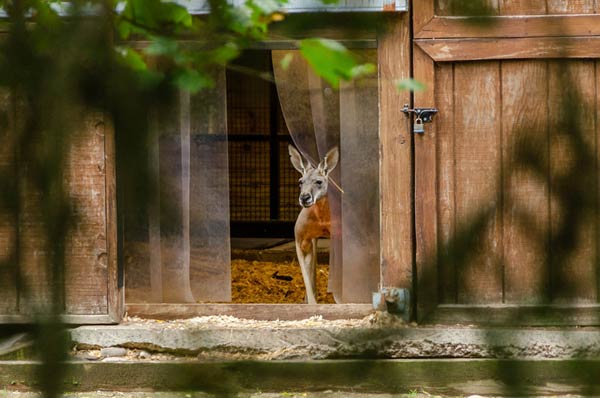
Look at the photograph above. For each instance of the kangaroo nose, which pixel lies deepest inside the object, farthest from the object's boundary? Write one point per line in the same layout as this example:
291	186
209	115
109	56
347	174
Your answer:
305	198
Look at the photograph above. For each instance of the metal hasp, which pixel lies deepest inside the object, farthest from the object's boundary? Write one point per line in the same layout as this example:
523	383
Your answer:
393	300
423	115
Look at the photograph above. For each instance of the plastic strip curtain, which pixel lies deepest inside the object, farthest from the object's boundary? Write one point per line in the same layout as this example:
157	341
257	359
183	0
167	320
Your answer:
184	254
318	118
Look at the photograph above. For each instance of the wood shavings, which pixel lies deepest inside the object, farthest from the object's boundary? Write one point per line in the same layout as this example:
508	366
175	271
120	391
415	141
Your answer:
251	281
230	322
270	282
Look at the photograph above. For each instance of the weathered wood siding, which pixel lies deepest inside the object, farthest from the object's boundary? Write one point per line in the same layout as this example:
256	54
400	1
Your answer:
486	108
89	284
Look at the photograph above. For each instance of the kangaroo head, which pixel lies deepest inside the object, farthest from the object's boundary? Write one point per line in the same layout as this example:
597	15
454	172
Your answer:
314	181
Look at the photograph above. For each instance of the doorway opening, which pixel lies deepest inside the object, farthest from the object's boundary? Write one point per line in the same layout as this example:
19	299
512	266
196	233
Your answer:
221	228
263	190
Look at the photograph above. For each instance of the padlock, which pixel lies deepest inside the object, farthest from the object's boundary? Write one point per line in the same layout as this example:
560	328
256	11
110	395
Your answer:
418	127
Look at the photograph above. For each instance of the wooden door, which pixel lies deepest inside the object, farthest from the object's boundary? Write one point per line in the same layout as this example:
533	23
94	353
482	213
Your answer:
506	178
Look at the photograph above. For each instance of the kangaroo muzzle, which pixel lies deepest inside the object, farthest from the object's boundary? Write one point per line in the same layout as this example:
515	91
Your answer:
306	200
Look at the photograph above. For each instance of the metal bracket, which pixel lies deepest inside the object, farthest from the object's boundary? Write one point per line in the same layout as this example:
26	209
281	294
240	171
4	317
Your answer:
426	114
393	300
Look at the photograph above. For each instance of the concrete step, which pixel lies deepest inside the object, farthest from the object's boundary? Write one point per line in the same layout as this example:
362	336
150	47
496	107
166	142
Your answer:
379	336
450	377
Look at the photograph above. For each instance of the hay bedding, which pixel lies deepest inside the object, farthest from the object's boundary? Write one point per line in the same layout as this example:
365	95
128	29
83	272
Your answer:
269	282
251	281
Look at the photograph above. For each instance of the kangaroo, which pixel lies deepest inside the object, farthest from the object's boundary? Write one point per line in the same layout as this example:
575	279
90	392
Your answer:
314	221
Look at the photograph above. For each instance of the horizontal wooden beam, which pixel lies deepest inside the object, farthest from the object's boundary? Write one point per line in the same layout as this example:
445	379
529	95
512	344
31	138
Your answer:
69	319
250	311
448	50
354	378
516	315
511	26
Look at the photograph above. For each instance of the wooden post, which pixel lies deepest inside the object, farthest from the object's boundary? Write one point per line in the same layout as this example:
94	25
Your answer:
395	137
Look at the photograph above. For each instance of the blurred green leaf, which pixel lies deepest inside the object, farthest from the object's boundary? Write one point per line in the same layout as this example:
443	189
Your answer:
131	58
409	85
162	46
124	29
152	16
224	54
362	70
45	14
265	7
193	81
287	60
332	61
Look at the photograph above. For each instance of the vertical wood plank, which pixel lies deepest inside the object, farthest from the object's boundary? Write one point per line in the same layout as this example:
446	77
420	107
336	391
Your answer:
443	7
423	12
522	7
525	172
597	219
8	219
36	279
185	127
86	255
572	181
425	192
395	172
478	159
571	6
156	281
116	293
444	100
35	292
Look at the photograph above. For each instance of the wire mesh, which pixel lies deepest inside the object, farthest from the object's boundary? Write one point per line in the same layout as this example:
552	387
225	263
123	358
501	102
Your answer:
257	135
288	185
249	180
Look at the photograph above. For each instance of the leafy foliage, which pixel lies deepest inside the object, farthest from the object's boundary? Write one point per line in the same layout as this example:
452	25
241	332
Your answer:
333	61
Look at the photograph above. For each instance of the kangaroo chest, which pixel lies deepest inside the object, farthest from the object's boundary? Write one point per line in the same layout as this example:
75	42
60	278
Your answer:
314	222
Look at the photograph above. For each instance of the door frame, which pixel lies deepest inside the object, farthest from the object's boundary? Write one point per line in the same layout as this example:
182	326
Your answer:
393	42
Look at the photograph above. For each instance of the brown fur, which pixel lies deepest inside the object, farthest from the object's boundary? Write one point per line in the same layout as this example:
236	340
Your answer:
314	220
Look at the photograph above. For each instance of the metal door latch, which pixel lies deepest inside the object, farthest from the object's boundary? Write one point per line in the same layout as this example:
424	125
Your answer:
393	300
422	115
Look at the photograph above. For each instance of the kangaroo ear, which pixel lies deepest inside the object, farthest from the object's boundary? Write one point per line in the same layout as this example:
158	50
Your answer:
330	161
296	159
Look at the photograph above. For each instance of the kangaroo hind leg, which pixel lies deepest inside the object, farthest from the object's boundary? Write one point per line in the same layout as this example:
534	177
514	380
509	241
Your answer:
307	261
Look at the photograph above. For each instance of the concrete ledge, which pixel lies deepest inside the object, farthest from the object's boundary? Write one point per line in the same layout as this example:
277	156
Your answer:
342	342
451	377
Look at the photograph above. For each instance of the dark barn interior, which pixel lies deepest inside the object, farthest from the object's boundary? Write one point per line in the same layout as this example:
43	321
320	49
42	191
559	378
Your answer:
262	182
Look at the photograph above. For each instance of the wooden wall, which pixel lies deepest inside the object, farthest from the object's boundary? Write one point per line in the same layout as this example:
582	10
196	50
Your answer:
89	290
